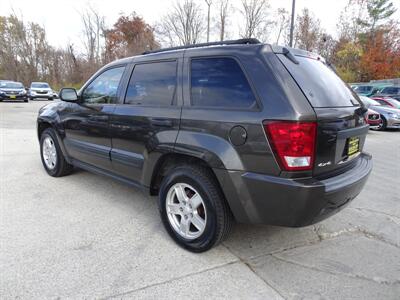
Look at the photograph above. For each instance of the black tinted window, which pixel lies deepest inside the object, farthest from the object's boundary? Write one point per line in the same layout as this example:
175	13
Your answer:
391	90
319	83
152	84
104	88
220	82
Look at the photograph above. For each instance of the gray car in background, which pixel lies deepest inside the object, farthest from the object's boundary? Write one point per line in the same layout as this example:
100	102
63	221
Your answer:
390	116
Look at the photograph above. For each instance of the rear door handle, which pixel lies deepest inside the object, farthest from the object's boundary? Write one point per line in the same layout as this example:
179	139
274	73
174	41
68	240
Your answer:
161	122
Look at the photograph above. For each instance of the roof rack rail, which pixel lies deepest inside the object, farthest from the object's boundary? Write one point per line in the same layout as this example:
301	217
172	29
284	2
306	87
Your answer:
229	42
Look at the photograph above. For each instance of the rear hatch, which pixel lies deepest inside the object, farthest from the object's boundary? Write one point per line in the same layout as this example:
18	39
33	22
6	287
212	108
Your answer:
341	127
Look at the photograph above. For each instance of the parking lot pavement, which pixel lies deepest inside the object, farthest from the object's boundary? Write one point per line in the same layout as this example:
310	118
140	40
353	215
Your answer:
87	236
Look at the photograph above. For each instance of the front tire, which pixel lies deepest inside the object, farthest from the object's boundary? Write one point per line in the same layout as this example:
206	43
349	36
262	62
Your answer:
52	157
383	125
193	208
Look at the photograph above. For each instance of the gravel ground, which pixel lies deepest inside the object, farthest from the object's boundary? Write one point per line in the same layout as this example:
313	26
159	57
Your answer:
87	236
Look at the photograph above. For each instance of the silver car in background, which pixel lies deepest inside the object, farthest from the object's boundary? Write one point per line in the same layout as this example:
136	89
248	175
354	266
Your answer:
40	90
390	116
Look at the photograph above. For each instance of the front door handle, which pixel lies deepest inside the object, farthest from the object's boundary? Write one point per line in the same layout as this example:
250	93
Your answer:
161	122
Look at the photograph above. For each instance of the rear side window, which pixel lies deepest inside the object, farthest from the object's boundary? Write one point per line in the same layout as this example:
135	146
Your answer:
220	82
152	84
319	83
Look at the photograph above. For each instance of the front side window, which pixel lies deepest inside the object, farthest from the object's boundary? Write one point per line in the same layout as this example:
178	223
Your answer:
103	89
152	84
220	82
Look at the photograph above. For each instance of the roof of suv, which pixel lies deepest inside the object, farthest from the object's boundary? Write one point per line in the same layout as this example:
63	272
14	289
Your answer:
161	52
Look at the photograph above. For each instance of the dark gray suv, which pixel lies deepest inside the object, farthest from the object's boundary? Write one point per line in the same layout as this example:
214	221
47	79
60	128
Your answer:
236	130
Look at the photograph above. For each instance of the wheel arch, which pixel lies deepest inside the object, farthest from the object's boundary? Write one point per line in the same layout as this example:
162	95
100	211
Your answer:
169	160
42	125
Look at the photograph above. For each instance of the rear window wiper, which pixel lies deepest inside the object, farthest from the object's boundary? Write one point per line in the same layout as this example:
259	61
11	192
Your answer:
289	55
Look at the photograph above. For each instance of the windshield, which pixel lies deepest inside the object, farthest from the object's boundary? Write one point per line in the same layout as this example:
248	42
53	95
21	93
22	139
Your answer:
363	89
11	85
321	85
37	85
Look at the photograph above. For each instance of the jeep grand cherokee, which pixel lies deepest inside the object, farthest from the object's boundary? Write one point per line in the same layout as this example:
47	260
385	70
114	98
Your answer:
236	130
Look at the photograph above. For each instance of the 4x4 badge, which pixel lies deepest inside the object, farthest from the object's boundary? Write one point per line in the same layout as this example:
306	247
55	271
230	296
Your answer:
324	164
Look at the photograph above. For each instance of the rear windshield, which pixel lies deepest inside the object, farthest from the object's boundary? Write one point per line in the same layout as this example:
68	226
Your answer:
319	83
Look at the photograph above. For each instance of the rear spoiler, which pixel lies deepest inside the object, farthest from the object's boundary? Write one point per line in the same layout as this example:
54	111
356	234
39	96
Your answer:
296	52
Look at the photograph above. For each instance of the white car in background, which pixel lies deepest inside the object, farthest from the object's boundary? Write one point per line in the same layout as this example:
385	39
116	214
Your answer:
40	90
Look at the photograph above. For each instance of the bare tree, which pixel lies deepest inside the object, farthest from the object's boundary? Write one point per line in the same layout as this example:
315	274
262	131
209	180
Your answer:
93	29
223	11
308	31
184	24
256	18
282	22
209	3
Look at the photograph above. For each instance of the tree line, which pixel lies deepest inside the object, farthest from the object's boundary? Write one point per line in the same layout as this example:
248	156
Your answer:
366	45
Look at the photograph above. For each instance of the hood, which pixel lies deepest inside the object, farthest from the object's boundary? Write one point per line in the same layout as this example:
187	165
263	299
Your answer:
381	108
372	112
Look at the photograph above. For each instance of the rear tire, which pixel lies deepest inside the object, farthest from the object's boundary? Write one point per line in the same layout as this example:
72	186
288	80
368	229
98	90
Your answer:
204	210
52	157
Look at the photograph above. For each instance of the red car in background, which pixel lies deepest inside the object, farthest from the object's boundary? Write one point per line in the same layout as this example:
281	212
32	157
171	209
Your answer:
387	101
373	119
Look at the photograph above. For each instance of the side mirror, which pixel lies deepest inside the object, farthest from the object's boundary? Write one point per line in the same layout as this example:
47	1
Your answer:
68	94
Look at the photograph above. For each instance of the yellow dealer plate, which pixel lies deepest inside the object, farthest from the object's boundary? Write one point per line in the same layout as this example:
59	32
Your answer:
353	145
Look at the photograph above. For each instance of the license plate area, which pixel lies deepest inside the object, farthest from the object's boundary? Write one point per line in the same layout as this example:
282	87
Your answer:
353	145
13	97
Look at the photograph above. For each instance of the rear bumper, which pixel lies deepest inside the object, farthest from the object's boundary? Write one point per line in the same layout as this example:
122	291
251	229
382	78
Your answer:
292	202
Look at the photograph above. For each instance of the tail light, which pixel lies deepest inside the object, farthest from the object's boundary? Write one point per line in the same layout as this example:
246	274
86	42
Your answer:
293	143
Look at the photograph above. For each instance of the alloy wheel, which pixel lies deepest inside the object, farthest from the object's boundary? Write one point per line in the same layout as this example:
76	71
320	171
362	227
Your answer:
49	153
186	211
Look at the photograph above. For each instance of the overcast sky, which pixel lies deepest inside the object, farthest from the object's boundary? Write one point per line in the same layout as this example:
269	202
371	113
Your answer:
63	24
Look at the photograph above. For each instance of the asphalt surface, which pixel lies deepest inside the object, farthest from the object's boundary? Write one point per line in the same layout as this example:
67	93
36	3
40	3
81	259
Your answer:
87	236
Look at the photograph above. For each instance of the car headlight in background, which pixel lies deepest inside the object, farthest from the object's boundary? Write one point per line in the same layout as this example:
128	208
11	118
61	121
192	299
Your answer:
22	92
394	115
2	92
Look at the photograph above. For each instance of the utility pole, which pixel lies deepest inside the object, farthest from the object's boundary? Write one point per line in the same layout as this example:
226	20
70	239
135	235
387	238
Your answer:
209	2
292	24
